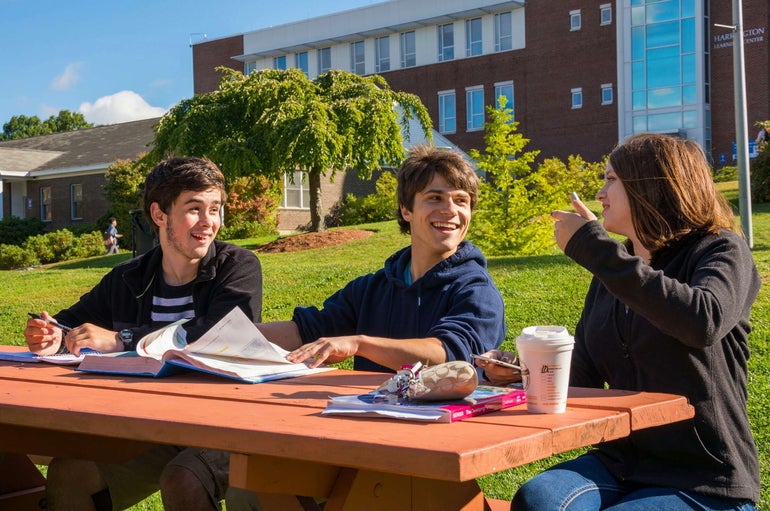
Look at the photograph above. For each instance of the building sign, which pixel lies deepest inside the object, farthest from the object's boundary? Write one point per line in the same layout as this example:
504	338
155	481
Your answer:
750	35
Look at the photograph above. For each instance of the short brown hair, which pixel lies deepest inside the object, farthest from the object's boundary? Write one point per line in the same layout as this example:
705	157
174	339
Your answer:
417	171
171	177
670	189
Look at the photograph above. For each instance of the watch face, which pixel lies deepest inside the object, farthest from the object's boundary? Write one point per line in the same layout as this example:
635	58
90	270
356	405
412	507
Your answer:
127	336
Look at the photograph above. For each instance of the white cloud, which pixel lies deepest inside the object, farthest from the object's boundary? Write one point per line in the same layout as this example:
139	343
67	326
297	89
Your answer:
69	77
123	106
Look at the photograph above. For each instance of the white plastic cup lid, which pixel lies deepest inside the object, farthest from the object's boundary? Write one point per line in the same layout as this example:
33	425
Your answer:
552	333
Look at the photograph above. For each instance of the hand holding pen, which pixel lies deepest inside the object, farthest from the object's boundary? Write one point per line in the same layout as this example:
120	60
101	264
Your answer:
44	334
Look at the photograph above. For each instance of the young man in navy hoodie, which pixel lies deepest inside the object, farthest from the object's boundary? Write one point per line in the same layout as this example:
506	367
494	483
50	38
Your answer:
432	302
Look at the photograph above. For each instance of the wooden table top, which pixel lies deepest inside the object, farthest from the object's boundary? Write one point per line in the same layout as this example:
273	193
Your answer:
56	411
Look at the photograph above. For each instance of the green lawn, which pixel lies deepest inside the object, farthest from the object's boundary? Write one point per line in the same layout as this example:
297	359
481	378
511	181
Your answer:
537	290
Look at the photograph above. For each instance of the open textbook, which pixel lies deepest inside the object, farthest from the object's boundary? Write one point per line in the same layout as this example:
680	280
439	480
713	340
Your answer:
234	347
484	399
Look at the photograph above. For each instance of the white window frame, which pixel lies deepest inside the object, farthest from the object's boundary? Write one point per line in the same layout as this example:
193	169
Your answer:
382	54
503	35
324	58
444	115
279	62
300	189
608	96
498	92
408	56
358	66
46	202
471	43
76	201
576	98
575	20
605	14
443	47
472	117
302	66
248	67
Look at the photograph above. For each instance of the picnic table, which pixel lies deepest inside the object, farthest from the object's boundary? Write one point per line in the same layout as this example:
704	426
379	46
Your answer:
282	446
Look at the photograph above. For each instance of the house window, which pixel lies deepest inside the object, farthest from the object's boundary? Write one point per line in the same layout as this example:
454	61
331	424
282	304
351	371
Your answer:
606	14
300	62
324	56
447	112
505	89
473	37
382	53
503	31
577	98
607	97
575	20
76	201
248	67
408	49
45	204
279	62
296	194
357	59
474	108
446	42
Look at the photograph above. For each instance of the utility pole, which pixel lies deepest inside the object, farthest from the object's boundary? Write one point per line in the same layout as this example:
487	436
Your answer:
741	136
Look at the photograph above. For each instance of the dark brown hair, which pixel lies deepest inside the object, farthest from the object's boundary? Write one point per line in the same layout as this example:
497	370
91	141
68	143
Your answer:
417	171
171	177
670	189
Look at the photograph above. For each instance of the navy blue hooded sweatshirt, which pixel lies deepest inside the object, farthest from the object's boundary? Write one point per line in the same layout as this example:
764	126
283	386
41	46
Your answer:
455	301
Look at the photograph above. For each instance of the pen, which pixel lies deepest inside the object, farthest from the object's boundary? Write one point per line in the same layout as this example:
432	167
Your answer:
64	328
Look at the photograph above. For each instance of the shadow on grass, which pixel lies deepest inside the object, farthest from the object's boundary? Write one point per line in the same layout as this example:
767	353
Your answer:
107	262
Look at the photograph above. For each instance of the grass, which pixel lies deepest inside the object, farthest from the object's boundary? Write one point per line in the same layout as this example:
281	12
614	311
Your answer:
537	290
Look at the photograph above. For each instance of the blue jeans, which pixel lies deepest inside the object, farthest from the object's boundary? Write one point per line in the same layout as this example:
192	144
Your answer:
584	484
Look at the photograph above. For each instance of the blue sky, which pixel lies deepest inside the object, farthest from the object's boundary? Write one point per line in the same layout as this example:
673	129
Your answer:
117	61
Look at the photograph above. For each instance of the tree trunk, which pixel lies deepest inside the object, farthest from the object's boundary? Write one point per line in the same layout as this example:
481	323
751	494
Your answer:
317	223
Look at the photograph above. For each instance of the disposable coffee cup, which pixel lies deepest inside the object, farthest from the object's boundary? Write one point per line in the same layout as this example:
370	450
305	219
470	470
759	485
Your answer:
545	353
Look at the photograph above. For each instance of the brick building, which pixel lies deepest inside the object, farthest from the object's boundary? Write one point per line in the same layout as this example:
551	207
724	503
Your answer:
580	74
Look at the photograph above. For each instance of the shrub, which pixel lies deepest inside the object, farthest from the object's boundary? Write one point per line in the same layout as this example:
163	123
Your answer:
15	230
89	244
377	207
725	174
760	176
13	257
252	207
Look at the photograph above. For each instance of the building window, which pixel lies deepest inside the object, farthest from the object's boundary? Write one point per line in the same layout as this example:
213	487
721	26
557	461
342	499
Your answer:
447	112
408	49
474	108
577	98
357	58
575	20
279	62
505	89
324	56
382	54
473	37
248	67
300	62
45	204
76	201
446	42
607	97
503	31
605	11
296	194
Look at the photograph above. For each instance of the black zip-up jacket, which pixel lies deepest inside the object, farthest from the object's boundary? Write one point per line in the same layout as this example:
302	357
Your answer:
679	326
228	276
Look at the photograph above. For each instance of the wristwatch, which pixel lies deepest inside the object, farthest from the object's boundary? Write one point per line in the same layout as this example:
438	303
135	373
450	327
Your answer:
127	336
